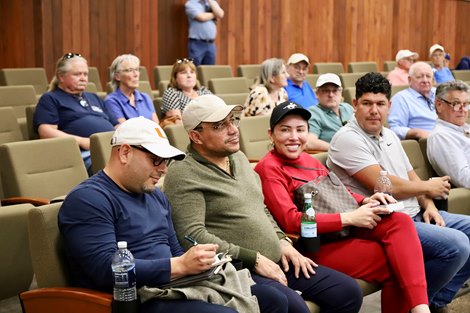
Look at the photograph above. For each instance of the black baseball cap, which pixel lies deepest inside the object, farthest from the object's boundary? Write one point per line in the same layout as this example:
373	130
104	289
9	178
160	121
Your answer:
285	108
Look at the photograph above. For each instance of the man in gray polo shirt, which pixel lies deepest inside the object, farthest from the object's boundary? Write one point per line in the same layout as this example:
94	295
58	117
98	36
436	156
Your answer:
357	154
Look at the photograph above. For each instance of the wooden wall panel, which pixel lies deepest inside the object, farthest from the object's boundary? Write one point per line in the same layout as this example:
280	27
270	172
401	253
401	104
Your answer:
38	32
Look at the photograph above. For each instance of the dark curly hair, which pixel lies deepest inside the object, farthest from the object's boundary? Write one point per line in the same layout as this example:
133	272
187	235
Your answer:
375	83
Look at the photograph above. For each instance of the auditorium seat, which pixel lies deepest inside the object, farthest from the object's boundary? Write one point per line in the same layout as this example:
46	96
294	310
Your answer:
250	71
234	98
44	169
177	136
100	150
396	89
349	94
18	97
34	76
362	67
312	79
461	74
16	271
162	73
389	65
52	271
349	79
94	77
254	139
229	85
32	134
162	86
329	67
10	130
207	72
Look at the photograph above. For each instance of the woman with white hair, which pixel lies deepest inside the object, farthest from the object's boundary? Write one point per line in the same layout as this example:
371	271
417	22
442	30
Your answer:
269	92
126	101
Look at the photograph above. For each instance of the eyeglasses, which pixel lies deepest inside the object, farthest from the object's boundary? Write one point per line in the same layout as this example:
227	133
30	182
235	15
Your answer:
157	161
184	60
457	105
328	90
130	70
223	125
71	55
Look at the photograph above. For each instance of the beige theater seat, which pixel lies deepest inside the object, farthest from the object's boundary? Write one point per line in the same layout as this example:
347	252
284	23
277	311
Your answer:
16	271
254	139
207	72
329	67
43	169
52	271
100	150
362	67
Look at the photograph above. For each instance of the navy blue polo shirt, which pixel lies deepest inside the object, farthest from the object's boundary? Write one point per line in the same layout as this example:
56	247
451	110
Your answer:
73	115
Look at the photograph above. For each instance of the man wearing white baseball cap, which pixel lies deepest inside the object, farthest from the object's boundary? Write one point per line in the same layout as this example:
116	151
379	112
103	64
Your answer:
121	203
399	75
330	114
217	198
442	73
298	89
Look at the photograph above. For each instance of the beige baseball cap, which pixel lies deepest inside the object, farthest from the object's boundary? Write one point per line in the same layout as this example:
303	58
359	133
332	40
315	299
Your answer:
406	54
434	48
296	58
206	108
140	131
328	78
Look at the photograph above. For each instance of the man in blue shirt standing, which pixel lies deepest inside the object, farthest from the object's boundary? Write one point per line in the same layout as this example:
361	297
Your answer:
202	18
298	89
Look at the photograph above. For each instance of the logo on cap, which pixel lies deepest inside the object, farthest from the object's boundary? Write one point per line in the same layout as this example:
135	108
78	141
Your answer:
290	106
159	133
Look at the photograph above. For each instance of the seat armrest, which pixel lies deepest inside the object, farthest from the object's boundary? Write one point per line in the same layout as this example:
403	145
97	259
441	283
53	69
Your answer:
21	200
65	299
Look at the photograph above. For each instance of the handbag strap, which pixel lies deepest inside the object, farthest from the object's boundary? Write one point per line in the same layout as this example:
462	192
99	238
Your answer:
327	173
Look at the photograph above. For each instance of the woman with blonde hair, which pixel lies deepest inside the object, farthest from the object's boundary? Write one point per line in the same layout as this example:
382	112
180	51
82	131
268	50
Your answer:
269	91
126	101
183	88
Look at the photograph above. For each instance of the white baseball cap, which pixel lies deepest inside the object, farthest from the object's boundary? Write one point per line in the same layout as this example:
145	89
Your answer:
328	78
206	108
296	58
434	48
139	131
406	54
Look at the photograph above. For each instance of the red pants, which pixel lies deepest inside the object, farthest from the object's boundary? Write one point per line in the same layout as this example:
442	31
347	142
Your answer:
389	255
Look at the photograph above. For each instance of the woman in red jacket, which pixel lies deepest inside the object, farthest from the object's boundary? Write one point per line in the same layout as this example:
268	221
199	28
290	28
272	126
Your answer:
381	249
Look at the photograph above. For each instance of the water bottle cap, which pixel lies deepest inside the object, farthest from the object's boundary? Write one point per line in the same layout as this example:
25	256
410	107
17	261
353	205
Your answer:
307	195
383	173
122	244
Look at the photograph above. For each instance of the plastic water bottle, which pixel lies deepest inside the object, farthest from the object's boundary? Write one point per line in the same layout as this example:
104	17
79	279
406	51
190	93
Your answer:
309	240
383	184
124	285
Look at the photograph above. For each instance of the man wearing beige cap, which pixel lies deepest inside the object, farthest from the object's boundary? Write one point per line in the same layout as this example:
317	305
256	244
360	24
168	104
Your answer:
399	75
217	198
330	114
121	203
442	73
298	89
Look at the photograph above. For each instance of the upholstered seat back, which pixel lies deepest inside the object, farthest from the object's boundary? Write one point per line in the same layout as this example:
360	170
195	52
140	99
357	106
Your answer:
45	168
254	139
100	149
16	272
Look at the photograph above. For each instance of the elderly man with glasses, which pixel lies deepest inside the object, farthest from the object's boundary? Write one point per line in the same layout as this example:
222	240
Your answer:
449	142
66	110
